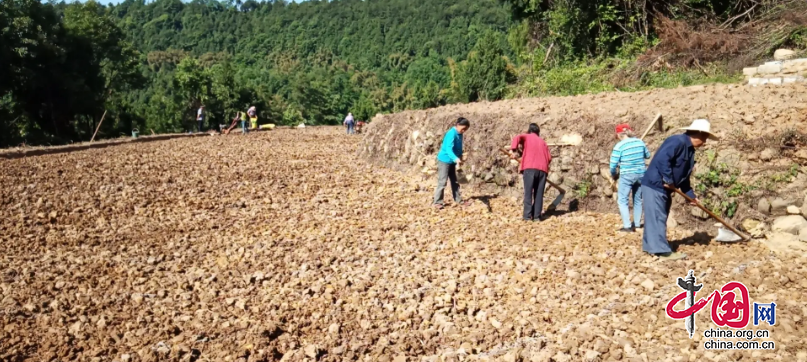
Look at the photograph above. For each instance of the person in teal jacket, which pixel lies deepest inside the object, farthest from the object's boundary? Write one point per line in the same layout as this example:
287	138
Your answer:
448	158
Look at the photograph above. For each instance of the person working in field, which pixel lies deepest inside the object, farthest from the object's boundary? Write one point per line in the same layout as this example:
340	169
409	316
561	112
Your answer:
534	169
253	117
244	125
200	118
349	123
629	155
448	158
669	169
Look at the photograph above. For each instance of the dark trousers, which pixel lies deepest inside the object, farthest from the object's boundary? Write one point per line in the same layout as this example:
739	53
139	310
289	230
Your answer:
200	124
446	171
350	128
534	184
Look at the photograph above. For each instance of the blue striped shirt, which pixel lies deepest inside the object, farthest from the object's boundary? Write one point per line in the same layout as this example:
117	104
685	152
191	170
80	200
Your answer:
629	154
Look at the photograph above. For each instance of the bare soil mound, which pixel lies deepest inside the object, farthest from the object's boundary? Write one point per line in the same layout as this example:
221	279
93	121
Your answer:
283	246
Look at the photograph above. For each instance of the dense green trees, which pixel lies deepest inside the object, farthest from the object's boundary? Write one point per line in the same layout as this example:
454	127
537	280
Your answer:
151	64
485	74
566	47
317	60
60	69
563	32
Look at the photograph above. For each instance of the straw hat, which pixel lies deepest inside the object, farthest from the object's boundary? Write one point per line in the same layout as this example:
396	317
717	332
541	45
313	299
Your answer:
702	125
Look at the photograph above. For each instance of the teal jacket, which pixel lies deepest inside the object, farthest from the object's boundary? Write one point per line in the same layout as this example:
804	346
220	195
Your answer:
451	149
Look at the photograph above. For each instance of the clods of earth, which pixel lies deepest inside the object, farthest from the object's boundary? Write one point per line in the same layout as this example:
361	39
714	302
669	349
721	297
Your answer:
284	246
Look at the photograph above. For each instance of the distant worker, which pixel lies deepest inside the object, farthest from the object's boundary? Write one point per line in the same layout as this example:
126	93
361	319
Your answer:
534	168
670	168
349	123
448	158
244	124
629	155
253	117
200	118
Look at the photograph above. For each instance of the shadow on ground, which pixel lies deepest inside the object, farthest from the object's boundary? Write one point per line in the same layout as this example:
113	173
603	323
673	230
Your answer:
698	238
485	199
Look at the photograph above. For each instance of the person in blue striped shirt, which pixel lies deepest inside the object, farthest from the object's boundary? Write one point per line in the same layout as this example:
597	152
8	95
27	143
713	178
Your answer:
629	155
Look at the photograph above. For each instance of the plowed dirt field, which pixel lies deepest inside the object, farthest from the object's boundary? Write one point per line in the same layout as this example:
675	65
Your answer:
284	245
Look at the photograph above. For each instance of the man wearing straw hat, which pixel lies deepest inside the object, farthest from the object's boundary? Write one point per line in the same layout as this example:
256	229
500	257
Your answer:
670	168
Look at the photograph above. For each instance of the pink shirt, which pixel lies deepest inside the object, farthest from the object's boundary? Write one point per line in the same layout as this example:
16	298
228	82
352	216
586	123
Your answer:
536	152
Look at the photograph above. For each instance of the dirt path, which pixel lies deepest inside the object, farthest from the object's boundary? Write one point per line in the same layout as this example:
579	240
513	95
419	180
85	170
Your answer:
282	245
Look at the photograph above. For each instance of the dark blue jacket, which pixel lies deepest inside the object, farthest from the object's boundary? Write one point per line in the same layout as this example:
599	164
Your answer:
672	164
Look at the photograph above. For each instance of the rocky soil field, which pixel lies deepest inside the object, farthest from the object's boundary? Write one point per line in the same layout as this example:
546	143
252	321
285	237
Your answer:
284	245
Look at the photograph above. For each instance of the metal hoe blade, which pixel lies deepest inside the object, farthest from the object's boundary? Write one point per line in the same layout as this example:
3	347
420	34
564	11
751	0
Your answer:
556	202
724	235
727	236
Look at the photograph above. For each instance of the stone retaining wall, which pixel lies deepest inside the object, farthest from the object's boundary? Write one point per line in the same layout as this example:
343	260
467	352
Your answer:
777	72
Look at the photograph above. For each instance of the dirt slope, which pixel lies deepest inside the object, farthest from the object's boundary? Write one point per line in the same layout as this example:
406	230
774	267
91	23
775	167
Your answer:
749	119
281	245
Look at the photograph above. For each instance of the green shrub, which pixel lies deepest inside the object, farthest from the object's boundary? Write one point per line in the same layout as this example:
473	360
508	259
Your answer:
782	177
719	176
583	188
572	79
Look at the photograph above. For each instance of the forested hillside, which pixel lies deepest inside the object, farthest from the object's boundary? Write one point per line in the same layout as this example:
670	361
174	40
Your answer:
149	65
313	61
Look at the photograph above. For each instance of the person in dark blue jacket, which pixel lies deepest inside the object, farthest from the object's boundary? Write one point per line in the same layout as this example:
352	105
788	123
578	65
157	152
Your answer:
670	168
448	158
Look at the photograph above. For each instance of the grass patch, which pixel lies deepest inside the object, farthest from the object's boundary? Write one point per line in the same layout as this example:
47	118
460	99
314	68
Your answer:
718	186
610	74
782	177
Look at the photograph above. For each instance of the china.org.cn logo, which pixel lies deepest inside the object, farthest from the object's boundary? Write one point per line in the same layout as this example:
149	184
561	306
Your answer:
730	305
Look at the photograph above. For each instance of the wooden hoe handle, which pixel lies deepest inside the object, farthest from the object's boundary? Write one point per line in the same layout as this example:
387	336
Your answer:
560	189
718	218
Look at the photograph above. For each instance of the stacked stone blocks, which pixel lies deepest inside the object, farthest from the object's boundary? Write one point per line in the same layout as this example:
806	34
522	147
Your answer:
777	72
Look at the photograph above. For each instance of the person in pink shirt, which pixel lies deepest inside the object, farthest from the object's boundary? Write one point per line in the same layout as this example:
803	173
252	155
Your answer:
534	168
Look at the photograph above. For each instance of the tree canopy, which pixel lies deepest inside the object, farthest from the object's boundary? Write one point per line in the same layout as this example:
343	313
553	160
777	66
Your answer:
151	64
60	68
